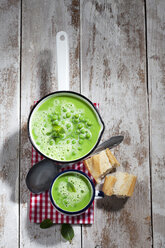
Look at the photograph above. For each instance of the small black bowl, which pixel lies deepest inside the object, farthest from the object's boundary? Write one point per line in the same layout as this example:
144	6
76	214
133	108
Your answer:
76	212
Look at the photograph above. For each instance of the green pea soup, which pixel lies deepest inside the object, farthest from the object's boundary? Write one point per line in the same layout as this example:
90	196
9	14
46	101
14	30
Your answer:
71	192
64	128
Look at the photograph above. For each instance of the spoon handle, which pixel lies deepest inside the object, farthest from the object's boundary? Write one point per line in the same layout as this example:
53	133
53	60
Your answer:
110	143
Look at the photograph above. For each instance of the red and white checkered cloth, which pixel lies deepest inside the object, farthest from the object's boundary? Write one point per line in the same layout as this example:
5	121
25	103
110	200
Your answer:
41	207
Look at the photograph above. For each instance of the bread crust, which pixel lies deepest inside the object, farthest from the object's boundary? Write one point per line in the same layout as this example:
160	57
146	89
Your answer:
132	186
130	181
113	161
94	172
108	185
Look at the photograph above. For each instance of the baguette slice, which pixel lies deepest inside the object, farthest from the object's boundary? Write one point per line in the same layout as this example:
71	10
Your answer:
123	187
99	165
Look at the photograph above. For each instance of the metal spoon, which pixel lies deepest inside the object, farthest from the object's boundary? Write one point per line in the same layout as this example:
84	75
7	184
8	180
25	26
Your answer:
40	176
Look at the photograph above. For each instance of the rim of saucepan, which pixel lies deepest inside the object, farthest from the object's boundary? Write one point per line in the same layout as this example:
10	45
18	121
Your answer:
68	212
70	161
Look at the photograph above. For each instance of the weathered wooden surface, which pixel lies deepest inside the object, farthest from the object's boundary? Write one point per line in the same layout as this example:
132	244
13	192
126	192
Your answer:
156	80
110	38
9	122
113	68
41	20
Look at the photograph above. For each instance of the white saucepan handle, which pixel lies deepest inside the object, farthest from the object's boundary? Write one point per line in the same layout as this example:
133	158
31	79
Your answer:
62	55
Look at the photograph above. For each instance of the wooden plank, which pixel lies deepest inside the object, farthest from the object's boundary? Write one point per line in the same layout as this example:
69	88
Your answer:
113	73
9	122
41	20
156	83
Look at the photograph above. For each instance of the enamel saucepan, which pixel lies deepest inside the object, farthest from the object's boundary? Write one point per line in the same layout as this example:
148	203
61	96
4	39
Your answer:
63	90
46	167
